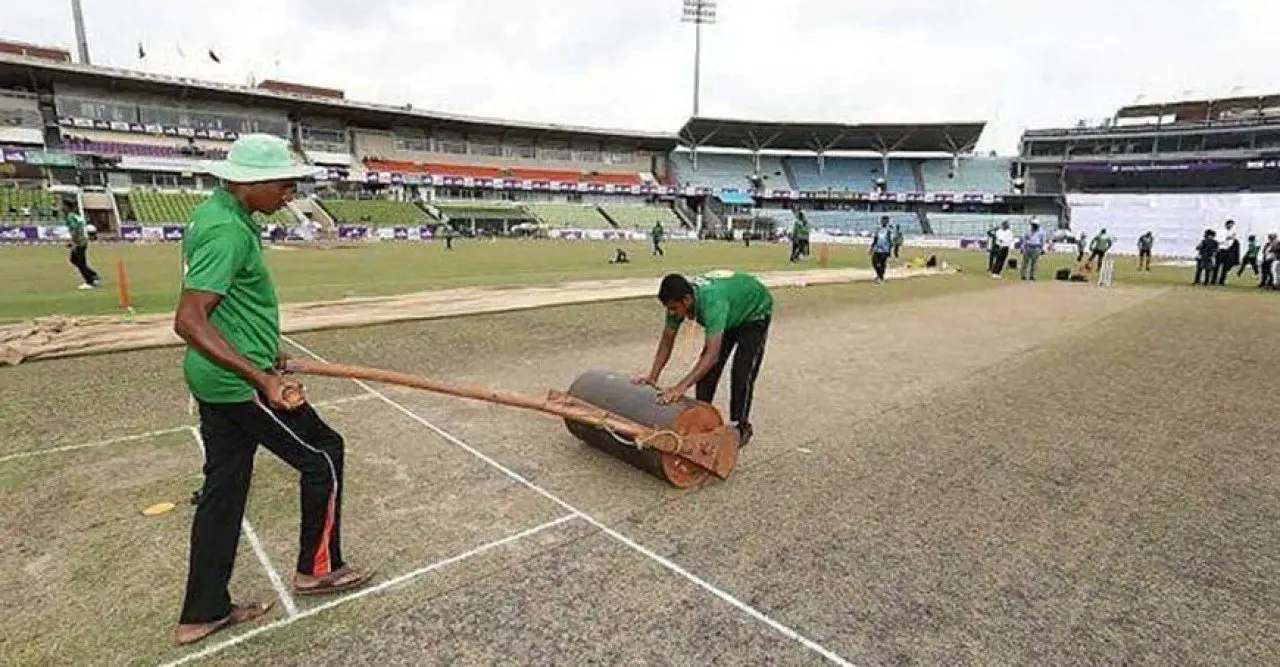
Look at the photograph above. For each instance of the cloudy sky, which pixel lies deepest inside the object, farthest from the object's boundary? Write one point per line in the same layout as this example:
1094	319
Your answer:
628	63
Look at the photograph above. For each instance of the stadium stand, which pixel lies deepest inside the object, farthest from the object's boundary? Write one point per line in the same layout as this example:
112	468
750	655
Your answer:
150	207
122	148
971	175
975	225
853	174
642	217
576	216
861	221
715	170
26	206
20	120
378	212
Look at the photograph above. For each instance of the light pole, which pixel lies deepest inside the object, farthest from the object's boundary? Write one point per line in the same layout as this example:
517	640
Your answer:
82	44
698	12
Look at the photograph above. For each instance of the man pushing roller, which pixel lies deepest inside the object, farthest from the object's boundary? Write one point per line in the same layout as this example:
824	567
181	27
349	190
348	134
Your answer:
734	309
229	317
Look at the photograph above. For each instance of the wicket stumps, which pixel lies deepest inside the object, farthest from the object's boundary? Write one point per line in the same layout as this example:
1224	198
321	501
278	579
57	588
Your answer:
1104	274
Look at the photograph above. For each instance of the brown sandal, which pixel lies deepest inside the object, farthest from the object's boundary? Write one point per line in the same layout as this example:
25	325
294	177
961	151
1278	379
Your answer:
240	613
343	579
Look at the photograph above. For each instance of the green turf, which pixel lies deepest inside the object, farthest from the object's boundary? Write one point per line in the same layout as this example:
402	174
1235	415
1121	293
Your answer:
39	282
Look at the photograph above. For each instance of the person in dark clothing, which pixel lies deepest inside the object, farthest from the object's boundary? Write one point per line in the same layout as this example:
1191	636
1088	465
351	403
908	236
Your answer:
1268	261
1250	260
881	248
1080	243
1206	263
734	310
80	247
1145	243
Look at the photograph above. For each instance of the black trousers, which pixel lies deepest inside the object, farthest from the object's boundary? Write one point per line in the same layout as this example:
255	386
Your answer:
879	260
231	433
1206	271
1266	273
1001	259
749	340
1098	255
1248	263
81	263
1226	262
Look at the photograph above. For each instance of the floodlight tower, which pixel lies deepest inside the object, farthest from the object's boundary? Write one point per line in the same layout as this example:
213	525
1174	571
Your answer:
698	12
82	43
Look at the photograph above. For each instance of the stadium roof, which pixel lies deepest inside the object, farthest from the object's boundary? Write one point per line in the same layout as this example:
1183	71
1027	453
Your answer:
824	137
1199	109
40	72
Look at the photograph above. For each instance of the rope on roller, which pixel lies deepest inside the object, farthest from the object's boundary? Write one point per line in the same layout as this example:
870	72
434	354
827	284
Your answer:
601	421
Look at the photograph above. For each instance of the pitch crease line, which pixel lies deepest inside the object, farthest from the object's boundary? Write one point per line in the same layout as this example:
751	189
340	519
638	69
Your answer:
382	586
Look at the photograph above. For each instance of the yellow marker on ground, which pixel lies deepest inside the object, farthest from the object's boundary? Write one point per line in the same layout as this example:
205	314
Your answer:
158	509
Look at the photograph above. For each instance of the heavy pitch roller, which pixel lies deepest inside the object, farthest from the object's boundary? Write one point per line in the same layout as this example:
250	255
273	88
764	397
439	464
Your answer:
682	443
692	421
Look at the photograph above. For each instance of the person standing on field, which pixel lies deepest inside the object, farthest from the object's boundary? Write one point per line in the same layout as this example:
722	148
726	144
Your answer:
228	315
1145	243
734	309
1250	260
79	245
1003	241
881	248
1269	250
1228	251
1098	249
1032	247
1080	243
657	235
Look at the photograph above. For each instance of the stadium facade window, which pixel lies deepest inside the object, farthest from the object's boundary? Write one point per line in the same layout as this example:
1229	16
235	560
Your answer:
478	148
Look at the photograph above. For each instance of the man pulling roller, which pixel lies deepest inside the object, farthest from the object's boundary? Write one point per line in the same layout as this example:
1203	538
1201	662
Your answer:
229	318
734	310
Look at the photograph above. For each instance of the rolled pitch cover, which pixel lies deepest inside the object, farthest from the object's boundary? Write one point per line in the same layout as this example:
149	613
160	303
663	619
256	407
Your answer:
615	393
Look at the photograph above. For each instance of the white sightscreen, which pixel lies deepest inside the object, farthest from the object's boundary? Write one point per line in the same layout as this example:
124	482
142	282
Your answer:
1178	221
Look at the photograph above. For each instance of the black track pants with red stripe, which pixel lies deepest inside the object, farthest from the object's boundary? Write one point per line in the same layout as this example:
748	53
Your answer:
231	433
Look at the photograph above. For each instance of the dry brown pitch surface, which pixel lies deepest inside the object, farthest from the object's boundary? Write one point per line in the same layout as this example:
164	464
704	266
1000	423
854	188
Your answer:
969	474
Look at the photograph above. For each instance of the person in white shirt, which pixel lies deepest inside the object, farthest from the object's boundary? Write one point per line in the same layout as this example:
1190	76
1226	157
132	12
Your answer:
1003	239
1228	251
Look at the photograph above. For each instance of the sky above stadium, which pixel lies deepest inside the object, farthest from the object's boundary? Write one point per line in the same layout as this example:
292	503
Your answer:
628	63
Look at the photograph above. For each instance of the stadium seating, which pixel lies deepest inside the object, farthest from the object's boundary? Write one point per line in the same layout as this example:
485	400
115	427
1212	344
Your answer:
861	221
575	216
139	150
975	225
150	207
852	174
715	170
982	174
40	205
376	212
643	217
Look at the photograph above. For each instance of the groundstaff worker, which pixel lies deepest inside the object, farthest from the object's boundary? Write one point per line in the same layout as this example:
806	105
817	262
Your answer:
734	309
229	318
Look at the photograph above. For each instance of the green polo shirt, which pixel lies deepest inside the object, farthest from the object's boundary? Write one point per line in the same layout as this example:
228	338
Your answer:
724	300
222	254
75	226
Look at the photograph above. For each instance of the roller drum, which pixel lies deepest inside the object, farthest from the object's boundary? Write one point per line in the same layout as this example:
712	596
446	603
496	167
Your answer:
615	393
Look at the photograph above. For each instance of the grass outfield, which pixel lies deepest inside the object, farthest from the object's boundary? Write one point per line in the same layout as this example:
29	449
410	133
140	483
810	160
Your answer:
38	281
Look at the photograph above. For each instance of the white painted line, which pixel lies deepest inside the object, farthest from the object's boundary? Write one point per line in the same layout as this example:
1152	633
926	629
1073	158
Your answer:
91	445
277	583
701	583
274	575
382	586
356	398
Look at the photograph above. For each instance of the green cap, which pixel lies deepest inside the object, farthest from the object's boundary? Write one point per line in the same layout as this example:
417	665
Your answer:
258	158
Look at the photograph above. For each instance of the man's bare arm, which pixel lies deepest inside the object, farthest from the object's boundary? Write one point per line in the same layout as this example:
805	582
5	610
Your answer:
706	361
191	323
662	355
